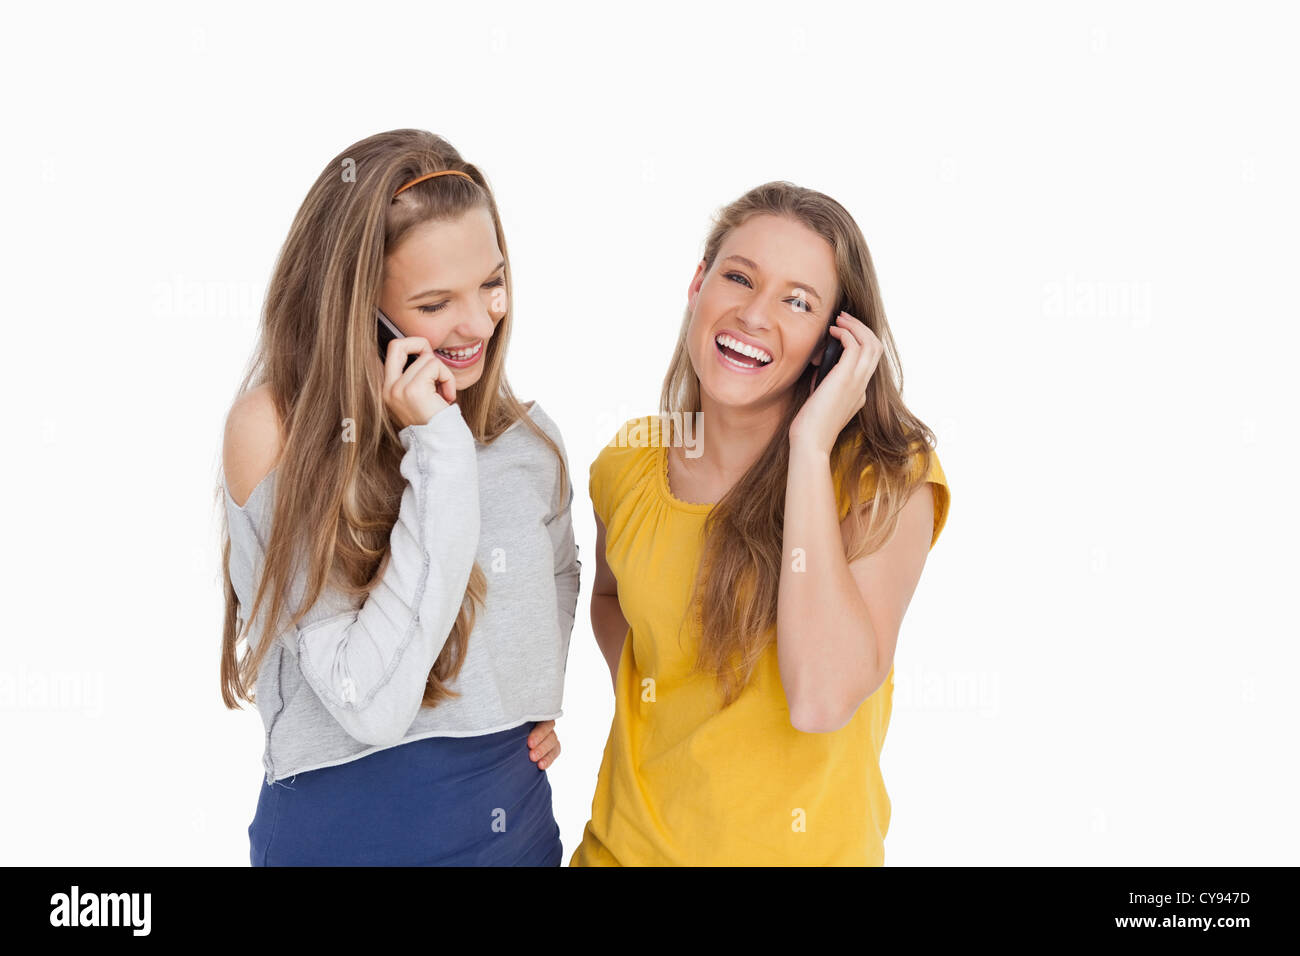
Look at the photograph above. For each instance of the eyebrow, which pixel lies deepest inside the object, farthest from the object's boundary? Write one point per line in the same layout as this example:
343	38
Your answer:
428	292
807	287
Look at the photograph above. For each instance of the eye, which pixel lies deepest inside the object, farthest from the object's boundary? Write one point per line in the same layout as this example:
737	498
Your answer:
495	283
801	305
430	309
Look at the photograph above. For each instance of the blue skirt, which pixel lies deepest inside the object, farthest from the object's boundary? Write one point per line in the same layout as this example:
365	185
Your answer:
440	801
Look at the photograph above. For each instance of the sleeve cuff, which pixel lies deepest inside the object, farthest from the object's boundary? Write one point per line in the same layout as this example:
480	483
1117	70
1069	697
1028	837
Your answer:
447	427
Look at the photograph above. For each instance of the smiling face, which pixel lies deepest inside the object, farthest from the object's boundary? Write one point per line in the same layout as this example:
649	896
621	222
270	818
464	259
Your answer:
446	282
761	311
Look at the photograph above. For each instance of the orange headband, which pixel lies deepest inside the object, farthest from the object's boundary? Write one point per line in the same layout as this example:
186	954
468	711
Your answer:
441	172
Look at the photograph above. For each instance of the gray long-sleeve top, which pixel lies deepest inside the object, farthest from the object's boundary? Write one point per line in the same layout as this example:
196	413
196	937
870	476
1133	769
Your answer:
348	680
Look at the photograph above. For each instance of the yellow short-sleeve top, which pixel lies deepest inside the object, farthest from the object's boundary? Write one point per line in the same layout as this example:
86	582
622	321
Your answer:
682	780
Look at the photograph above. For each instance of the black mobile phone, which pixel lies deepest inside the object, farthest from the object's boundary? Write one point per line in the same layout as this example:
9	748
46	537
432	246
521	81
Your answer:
832	354
387	332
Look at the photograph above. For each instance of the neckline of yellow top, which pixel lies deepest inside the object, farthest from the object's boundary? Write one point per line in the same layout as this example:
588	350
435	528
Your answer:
665	492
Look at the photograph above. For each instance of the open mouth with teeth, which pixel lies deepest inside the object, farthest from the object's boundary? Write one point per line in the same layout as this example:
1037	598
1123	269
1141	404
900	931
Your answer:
461	356
738	353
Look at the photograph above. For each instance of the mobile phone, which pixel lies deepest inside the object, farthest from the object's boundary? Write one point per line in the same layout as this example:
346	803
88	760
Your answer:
832	354
387	332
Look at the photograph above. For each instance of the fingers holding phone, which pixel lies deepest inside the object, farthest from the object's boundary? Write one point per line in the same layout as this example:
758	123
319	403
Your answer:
862	349
853	344
416	392
843	392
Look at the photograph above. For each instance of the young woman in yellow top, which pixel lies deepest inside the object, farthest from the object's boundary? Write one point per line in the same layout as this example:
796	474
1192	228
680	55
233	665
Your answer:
748	594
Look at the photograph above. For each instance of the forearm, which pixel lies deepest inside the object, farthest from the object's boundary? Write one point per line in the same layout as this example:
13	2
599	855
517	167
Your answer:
568	569
826	650
369	665
610	627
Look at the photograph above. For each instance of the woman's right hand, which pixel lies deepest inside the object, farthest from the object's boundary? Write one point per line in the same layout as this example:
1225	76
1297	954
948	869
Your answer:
414	396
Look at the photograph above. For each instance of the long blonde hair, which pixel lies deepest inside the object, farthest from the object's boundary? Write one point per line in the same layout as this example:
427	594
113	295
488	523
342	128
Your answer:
734	599
336	501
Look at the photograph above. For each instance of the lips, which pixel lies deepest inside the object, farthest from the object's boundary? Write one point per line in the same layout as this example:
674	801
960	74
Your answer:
741	354
461	356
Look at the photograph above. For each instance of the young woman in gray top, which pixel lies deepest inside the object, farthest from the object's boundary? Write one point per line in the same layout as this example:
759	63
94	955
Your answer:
399	555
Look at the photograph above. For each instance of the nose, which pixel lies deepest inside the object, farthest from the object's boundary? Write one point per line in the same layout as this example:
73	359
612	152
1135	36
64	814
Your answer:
480	324
753	315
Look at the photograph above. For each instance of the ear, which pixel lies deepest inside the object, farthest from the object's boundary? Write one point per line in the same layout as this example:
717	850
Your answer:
694	288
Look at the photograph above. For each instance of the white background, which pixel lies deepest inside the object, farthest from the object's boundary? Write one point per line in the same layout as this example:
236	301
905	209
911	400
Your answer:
1083	220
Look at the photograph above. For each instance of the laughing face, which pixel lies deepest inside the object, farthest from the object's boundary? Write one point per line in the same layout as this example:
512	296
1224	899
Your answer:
761	312
445	282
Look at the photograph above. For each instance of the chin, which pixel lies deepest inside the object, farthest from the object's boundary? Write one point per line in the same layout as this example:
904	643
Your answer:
468	377
735	394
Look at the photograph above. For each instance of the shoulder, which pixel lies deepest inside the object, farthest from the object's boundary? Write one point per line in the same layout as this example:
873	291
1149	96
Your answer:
924	472
625	461
925	464
634	441
253	442
928	473
537	413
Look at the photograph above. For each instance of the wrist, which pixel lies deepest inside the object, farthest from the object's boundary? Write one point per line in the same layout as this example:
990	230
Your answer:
807	450
445	425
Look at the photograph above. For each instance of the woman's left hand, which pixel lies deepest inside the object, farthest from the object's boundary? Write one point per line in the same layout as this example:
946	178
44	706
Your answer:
844	390
543	745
